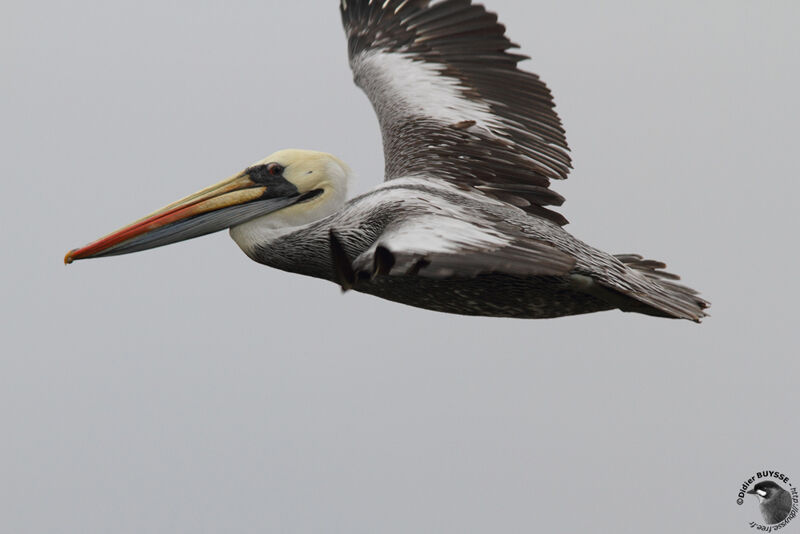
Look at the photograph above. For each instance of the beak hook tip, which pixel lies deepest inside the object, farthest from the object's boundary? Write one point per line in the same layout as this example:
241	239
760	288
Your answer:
69	258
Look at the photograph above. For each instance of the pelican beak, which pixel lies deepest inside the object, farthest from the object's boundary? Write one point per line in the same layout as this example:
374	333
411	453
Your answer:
228	203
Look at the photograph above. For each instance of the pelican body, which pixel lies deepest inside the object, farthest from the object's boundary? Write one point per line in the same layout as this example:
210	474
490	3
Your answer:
462	224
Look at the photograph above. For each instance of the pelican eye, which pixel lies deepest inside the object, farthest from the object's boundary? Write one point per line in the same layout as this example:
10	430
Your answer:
267	174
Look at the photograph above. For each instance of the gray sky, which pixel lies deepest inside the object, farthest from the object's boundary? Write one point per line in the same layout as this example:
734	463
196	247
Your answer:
187	389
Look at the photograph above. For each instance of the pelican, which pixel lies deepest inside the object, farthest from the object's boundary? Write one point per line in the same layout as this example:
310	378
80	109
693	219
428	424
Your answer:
464	221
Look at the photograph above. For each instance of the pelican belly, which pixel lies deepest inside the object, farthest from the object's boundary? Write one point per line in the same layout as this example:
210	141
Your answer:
489	295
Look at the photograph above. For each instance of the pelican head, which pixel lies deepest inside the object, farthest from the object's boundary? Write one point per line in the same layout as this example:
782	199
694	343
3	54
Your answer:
290	188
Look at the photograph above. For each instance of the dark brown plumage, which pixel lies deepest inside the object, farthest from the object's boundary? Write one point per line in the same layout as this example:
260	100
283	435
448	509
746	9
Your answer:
513	161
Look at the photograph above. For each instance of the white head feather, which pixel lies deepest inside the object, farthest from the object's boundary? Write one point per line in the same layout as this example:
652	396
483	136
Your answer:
307	170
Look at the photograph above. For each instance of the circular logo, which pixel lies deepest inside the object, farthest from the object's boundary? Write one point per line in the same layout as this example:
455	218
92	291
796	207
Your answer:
773	496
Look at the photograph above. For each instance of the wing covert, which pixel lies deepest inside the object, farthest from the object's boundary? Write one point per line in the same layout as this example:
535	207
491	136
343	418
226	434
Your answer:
451	102
441	247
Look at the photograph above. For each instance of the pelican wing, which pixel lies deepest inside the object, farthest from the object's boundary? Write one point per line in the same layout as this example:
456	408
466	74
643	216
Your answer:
451	102
438	246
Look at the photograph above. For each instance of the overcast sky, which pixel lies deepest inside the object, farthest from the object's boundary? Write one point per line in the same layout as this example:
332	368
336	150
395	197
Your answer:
188	389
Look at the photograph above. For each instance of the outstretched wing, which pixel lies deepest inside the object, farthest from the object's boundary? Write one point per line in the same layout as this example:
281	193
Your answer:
434	245
451	102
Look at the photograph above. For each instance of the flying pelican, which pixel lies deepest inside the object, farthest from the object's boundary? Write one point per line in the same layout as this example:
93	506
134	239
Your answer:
461	223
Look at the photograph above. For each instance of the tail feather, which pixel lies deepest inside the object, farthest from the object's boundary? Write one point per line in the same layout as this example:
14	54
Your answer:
652	267
661	294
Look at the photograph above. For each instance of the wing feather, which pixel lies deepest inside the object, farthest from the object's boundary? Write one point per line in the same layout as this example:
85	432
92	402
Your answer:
439	246
452	103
